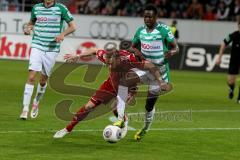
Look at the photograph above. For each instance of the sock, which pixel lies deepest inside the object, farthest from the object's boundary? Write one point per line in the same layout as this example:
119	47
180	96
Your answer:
79	116
115	113
39	94
121	97
150	102
28	91
231	87
148	119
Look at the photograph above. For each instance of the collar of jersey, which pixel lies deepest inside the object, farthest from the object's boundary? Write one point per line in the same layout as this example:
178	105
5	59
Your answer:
155	26
49	6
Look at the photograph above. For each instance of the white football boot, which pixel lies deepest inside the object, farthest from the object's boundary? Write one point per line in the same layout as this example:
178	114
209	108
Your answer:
61	133
24	115
34	111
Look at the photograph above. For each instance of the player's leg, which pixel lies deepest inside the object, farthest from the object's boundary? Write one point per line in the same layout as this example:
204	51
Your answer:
131	79
35	65
233	70
103	95
48	61
231	79
149	114
79	116
153	94
132	91
28	91
41	88
125	128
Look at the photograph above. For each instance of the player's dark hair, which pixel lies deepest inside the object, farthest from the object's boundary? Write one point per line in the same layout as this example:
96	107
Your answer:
125	44
151	7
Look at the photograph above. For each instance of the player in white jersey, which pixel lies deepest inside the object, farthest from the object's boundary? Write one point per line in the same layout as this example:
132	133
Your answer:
46	23
157	44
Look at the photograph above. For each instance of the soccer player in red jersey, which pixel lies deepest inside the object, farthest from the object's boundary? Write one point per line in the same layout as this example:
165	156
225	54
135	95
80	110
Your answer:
119	62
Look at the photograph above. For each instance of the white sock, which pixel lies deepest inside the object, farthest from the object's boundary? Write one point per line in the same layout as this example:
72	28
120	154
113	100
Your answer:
148	119
121	97
28	91
39	94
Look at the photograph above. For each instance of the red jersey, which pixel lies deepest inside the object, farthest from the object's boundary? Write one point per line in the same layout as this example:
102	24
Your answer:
122	65
108	90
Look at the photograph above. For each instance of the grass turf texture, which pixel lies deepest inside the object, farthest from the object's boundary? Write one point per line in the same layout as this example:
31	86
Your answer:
172	138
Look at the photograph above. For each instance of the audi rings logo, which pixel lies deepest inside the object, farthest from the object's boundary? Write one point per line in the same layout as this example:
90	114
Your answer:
108	30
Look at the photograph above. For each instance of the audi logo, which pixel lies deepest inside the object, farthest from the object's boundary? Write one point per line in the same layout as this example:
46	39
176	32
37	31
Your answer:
108	30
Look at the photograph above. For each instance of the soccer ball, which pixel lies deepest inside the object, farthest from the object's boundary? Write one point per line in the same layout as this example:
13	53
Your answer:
112	134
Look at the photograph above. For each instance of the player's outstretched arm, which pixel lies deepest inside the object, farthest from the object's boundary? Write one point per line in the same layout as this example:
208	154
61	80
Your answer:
75	57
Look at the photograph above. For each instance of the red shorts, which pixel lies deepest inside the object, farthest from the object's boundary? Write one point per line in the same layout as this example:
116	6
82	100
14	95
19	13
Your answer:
104	94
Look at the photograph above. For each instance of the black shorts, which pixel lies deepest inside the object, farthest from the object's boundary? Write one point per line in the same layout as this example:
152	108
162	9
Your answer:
234	65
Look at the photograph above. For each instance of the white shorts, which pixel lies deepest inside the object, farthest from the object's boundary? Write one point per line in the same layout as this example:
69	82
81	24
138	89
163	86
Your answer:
147	78
42	61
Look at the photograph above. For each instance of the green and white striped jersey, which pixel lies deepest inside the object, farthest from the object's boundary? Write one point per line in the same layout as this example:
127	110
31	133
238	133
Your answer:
48	25
154	44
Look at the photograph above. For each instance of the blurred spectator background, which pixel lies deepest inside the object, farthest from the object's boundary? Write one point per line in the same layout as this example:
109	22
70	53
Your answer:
223	10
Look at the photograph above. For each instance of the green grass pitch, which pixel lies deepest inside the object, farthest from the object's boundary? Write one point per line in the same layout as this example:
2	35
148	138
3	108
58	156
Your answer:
200	122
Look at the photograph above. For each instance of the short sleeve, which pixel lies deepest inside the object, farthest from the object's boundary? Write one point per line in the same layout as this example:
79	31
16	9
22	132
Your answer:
33	15
136	38
228	39
100	55
66	15
168	34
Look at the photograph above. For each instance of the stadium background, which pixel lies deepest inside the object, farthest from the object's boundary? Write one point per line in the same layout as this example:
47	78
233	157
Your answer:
207	124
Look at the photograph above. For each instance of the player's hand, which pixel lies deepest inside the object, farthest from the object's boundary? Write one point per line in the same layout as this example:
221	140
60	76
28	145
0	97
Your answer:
168	54
73	58
165	86
27	29
137	53
59	38
218	61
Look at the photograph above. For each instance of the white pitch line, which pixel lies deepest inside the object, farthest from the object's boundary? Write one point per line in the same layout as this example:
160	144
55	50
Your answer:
193	111
153	129
51	131
194	129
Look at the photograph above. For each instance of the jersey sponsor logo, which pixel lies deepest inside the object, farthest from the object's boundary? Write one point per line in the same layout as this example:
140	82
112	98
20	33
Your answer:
198	57
150	47
47	19
108	30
